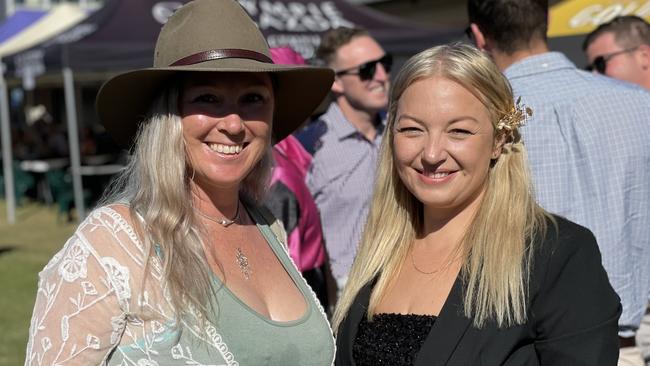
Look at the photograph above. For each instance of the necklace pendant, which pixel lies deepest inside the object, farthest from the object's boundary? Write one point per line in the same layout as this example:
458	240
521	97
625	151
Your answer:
225	222
242	262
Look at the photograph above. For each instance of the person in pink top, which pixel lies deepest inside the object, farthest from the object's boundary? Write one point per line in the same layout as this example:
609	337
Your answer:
289	200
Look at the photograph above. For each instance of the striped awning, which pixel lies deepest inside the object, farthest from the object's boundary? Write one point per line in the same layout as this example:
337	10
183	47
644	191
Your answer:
48	25
18	21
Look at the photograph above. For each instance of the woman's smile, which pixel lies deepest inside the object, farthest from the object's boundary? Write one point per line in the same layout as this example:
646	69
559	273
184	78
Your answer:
225	148
436	177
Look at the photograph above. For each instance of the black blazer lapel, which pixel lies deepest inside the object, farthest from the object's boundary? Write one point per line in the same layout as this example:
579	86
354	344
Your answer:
349	329
446	332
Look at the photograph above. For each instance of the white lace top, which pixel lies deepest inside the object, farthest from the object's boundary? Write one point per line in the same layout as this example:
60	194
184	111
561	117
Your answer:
93	308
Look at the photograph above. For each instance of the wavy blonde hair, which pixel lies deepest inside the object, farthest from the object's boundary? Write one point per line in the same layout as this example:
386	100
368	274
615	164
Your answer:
496	249
156	184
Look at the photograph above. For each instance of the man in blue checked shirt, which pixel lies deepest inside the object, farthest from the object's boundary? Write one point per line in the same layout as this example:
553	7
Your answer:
345	141
588	143
620	49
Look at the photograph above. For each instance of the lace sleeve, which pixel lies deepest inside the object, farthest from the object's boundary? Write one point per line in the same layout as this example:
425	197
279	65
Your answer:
83	297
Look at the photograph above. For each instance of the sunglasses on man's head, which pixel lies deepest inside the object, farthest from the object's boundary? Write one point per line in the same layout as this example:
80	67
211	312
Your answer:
367	71
600	63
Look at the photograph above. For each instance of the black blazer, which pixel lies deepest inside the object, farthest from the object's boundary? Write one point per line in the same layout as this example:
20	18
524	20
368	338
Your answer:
572	314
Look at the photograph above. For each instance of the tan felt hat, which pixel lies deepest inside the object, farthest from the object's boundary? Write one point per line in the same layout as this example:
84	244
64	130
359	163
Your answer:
210	36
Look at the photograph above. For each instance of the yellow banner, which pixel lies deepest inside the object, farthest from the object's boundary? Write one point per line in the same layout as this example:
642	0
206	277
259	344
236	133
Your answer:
573	17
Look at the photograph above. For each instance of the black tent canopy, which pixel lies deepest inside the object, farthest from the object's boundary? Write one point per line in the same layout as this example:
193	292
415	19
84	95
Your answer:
122	34
119	36
300	23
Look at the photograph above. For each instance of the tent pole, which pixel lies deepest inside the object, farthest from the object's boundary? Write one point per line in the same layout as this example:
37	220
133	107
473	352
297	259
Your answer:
7	158
73	141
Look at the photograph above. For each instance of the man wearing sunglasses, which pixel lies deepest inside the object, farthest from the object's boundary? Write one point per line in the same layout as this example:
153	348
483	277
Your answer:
345	140
588	145
621	49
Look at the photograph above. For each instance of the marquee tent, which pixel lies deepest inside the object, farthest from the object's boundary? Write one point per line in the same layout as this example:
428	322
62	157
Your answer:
21	31
116	37
9	28
119	36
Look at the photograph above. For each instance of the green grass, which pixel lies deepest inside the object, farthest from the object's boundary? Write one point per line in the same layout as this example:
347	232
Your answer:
25	247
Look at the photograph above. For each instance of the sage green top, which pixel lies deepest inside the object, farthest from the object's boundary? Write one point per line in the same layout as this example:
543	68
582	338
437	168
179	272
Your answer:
257	340
93	308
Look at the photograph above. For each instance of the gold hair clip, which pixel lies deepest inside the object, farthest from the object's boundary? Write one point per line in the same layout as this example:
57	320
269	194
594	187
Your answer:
516	118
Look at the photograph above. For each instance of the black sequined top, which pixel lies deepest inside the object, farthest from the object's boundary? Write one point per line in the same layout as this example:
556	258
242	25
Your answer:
390	339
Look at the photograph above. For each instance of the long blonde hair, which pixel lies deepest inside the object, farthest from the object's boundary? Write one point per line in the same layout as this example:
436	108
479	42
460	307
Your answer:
498	244
156	184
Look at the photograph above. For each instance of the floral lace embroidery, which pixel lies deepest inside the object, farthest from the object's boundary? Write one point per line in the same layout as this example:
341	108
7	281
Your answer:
91	305
73	265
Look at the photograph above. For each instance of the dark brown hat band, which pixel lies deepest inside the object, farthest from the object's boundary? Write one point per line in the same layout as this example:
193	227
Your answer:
221	54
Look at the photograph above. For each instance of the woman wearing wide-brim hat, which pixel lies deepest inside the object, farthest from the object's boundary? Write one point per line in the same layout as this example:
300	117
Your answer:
180	265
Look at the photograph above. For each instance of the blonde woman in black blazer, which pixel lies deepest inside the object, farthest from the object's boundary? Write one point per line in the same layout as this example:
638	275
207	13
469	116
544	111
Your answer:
458	265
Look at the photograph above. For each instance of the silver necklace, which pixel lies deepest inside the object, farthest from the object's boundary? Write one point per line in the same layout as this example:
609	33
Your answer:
223	221
442	268
240	258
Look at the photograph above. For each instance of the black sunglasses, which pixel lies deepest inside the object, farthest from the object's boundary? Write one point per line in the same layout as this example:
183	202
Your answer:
600	63
367	71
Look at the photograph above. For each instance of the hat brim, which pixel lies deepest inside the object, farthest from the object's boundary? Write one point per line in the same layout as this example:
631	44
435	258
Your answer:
124	100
